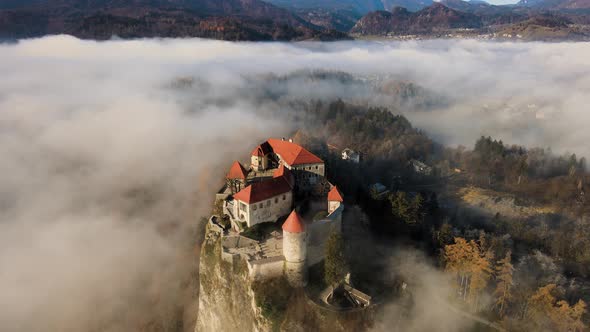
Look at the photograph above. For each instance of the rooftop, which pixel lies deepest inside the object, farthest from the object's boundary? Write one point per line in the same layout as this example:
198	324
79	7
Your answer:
291	153
260	191
283	171
294	224
262	150
237	171
334	195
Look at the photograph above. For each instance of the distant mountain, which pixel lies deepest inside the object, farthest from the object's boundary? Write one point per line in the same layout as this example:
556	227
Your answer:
555	4
544	28
436	17
100	19
411	5
338	19
490	14
362	7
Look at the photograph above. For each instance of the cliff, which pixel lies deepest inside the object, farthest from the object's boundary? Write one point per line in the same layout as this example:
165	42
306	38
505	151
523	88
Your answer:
230	301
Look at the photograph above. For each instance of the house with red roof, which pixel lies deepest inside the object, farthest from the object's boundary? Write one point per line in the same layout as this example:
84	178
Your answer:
307	168
264	201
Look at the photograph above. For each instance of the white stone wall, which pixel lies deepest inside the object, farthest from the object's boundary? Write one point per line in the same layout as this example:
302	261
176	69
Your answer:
319	232
295	246
259	163
296	273
241	212
266	269
332	206
308	175
271	209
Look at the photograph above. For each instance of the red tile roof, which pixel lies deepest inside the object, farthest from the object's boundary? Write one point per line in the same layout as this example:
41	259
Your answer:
294	224
237	171
262	150
293	154
285	172
260	191
334	195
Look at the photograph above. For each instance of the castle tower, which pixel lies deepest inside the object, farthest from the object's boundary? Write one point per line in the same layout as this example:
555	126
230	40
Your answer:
259	158
334	199
295	250
236	177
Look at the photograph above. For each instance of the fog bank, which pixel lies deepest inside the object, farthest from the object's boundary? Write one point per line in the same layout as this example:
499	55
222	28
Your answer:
112	150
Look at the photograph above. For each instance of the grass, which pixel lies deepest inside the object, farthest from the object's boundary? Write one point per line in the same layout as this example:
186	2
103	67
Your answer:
272	296
320	215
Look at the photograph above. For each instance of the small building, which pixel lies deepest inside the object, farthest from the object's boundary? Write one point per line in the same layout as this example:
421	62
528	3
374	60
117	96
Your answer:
351	155
378	191
420	167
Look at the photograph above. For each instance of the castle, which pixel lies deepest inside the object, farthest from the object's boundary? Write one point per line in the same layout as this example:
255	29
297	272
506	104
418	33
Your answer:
281	175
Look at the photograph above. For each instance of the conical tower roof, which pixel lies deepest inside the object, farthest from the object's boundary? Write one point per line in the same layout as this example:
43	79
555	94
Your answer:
237	171
294	223
334	195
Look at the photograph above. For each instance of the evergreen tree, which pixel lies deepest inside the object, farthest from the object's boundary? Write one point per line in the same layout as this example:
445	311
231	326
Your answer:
400	207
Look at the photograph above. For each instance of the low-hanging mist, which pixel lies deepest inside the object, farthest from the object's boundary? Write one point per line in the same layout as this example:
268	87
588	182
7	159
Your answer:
111	151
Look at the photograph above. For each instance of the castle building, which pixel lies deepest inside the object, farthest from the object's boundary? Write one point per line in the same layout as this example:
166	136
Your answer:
264	201
266	193
295	250
307	168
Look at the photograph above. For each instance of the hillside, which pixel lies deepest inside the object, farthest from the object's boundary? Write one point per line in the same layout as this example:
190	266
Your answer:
362	7
430	19
544	28
555	4
101	19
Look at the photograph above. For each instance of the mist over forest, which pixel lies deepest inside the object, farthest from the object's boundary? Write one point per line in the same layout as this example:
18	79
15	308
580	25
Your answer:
112	151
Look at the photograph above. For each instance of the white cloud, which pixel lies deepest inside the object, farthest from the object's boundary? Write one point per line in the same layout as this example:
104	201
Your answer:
100	155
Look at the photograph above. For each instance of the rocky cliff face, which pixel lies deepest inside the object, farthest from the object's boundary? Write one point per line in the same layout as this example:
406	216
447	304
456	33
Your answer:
226	297
230	301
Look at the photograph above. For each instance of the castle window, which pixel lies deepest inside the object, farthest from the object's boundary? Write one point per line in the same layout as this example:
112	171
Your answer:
242	206
316	167
284	197
268	203
276	200
254	207
260	205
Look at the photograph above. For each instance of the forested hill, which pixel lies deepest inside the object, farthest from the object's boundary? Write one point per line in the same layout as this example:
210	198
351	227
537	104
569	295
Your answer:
225	19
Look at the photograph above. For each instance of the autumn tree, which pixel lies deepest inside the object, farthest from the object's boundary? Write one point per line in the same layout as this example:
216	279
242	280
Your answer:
504	272
481	271
471	265
545	311
458	258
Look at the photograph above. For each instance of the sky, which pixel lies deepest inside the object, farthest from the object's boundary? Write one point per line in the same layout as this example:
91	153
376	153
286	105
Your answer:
111	151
